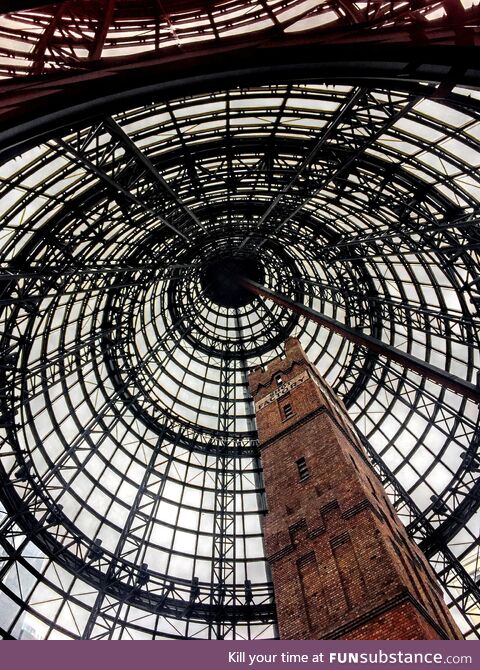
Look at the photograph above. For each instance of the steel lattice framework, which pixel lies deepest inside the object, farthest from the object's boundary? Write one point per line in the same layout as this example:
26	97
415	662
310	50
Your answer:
79	34
131	487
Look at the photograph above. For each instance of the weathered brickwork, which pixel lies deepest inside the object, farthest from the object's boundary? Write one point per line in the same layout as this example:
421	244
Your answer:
342	563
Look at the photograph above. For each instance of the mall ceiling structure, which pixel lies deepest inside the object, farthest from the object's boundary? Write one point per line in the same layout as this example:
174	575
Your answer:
151	150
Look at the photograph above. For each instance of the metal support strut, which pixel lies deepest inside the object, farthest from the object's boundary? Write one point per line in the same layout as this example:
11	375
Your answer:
437	375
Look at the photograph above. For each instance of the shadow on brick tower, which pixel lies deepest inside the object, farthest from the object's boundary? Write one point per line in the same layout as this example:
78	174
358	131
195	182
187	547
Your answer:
343	566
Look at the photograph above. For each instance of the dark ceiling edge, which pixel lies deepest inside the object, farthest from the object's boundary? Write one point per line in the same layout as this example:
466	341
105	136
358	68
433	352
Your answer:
20	5
29	110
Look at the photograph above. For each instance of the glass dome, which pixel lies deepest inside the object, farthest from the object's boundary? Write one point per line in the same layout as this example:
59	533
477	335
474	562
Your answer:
131	484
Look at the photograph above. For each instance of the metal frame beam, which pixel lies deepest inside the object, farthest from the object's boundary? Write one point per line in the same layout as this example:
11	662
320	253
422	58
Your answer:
437	375
27	110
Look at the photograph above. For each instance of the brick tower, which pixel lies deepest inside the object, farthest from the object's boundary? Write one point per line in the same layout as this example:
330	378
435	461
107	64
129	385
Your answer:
343	565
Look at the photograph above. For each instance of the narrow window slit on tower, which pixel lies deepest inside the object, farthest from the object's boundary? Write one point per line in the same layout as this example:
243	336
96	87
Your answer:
288	411
279	380
302	469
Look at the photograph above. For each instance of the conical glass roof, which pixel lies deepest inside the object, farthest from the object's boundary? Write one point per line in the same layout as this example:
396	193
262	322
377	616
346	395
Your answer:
132	493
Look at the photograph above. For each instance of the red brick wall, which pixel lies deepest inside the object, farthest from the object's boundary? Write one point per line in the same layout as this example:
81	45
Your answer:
342	563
